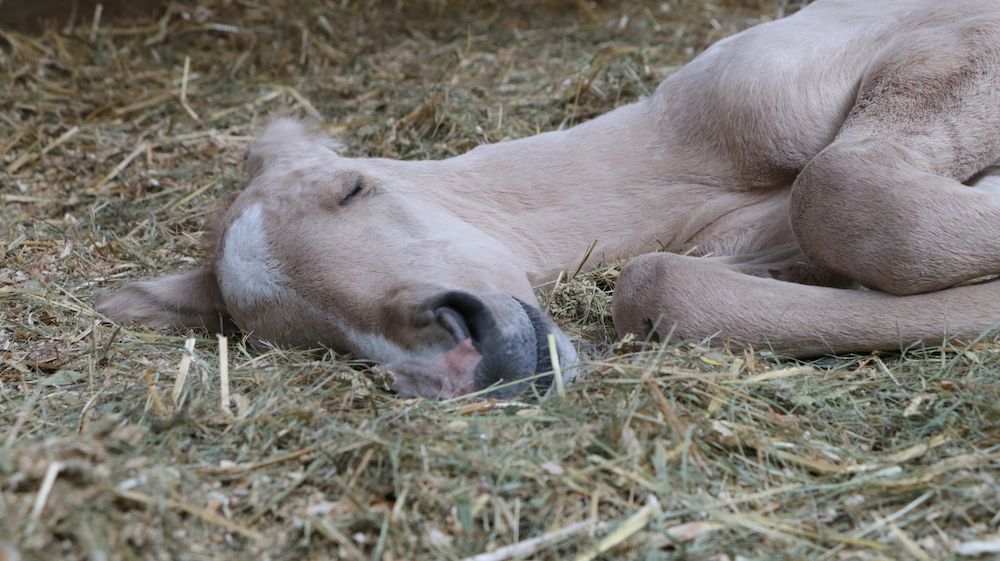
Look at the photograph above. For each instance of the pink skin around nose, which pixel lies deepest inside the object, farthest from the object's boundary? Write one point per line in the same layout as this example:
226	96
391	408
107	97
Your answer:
461	362
445	375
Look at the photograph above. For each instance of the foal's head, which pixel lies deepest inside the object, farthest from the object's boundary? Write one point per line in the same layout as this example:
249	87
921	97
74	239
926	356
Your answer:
325	250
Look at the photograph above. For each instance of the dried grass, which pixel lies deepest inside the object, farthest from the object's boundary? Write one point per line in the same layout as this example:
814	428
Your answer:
109	162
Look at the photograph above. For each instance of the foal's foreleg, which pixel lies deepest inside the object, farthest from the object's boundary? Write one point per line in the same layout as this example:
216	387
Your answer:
697	299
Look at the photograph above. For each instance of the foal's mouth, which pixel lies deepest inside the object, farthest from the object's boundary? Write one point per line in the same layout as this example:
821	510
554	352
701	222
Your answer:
500	346
516	356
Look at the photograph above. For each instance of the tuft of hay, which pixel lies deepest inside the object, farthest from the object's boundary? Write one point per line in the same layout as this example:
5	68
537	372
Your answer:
118	137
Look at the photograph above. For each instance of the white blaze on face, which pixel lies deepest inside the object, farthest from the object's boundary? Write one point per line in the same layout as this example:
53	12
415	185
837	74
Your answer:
248	274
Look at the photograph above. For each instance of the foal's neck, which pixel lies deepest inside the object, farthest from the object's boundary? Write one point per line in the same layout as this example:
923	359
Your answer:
621	180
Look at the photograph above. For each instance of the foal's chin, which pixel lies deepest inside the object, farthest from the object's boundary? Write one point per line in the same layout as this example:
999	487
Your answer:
497	345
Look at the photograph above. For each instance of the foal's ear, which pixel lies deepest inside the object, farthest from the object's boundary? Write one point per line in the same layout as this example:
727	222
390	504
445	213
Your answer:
191	299
292	140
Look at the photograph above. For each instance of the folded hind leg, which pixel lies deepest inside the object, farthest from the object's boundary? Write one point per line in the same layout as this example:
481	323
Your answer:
885	203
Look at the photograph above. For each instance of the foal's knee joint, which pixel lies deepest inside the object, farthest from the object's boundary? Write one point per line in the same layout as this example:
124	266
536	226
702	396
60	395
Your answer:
648	300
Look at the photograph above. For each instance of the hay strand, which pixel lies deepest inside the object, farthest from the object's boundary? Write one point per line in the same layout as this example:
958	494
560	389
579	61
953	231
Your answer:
556	370
182	371
43	495
135	153
529	547
205	515
224	375
636	522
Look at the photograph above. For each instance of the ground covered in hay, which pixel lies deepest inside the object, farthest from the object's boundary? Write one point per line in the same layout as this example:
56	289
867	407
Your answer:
117	138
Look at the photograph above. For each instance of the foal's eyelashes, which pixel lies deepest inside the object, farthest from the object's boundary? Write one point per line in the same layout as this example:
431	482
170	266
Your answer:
358	187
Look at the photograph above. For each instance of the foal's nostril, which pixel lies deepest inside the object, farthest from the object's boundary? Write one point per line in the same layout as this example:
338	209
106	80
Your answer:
462	314
453	321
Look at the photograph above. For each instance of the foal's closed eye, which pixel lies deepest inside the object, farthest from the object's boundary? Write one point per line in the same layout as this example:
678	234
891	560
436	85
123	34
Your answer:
358	187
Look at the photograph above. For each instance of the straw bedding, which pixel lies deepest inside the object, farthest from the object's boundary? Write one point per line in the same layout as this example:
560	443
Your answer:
118	135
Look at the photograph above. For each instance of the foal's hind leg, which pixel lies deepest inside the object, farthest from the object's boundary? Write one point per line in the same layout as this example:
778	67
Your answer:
884	204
